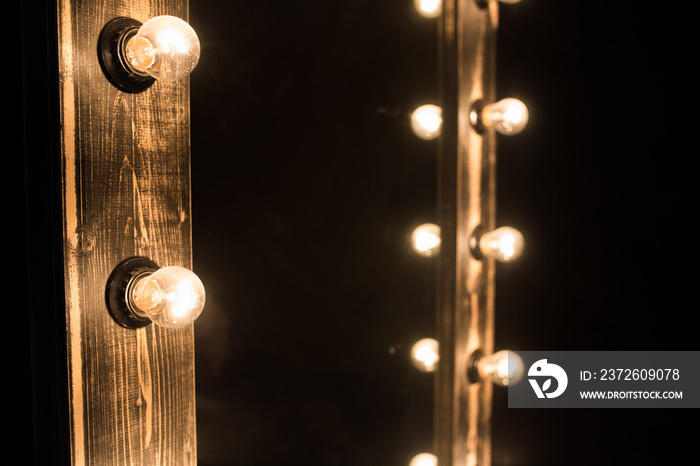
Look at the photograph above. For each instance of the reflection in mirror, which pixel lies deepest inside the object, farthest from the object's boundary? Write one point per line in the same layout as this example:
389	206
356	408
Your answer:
308	182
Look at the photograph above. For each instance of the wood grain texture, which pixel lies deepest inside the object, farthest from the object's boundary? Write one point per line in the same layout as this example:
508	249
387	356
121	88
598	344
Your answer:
126	192
466	200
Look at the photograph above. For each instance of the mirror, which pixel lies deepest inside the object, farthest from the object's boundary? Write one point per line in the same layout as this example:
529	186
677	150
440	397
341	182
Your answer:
307	182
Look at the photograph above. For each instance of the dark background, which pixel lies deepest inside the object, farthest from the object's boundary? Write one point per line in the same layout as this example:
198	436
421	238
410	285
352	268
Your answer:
307	182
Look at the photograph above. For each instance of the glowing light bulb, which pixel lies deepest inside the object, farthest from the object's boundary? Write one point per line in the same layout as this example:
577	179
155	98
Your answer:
425	355
504	244
165	48
426	239
426	121
171	297
424	459
429	8
507	116
502	368
133	55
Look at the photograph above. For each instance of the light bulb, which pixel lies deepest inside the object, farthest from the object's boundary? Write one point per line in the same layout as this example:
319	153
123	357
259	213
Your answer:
139	292
426	121
426	239
502	368
424	459
425	355
171	297
165	47
507	116
133	55
429	8
504	244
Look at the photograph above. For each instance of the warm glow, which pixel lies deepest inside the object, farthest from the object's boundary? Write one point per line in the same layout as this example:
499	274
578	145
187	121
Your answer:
424	459
140	53
425	355
503	368
172	39
426	239
507	116
429	8
183	298
165	47
426	121
503	244
148	296
170	297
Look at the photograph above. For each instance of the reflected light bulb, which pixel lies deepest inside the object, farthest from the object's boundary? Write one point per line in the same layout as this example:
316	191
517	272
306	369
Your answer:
424	459
165	48
171	297
504	244
429	8
425	355
426	239
426	121
503	368
507	116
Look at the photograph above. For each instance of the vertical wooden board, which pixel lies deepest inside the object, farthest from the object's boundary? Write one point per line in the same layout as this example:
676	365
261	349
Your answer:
476	288
447	218
467	189
126	192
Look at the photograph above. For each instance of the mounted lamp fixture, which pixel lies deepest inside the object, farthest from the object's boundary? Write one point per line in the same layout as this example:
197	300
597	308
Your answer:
139	292
134	55
465	237
502	368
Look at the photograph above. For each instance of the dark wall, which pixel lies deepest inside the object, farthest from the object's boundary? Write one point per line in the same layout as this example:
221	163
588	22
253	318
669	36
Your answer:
602	184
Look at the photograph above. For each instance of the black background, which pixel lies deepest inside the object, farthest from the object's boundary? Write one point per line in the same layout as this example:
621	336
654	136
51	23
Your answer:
307	182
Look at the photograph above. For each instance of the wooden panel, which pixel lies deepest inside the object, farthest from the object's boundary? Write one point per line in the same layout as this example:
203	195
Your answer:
466	198
125	166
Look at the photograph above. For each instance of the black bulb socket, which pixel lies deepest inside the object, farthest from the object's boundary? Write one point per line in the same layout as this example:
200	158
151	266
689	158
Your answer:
473	366
117	291
110	53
